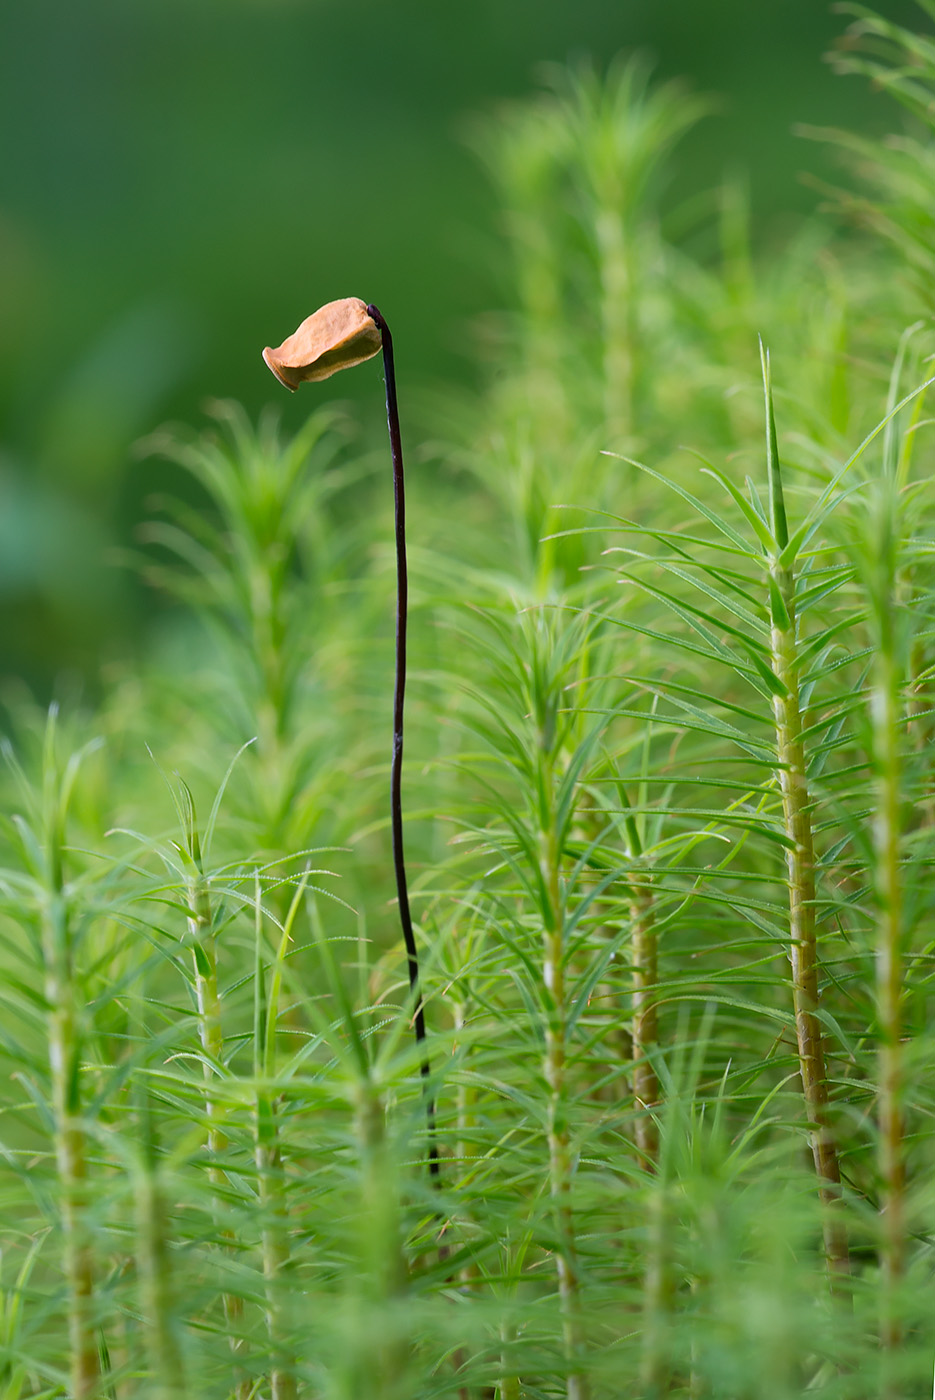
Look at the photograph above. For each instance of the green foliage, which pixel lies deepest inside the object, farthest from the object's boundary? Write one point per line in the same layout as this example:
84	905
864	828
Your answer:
670	824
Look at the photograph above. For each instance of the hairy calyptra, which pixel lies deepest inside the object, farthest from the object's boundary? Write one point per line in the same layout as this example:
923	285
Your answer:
339	335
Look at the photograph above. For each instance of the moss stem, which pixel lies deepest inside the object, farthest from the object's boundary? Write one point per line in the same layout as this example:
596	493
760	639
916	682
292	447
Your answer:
885	716
560	1157
803	945
383	1361
163	1352
70	1138
800	851
645	1023
275	1244
204	955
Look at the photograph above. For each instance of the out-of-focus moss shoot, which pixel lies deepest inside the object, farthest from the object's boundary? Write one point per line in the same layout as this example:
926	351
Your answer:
337	336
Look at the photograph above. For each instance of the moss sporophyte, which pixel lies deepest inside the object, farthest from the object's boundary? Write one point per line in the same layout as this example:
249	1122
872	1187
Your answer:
338	336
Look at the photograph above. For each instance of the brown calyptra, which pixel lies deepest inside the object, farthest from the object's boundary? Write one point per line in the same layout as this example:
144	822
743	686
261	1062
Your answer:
336	336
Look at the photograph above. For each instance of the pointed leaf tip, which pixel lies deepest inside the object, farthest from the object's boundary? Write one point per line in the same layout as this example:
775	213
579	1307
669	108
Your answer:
777	507
337	336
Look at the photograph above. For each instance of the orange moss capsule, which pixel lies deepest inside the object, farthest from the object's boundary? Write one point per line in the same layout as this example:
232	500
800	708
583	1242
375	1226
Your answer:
336	336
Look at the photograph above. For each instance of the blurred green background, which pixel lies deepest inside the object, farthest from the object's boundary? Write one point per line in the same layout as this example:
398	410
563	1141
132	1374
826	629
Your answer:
183	180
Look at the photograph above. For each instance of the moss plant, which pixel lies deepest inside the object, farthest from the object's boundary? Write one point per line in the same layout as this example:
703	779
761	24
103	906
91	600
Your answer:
267	539
541	749
164	1354
556	998
885	548
71	1148
797	808
578	169
376	1323
553	818
268	1155
768	654
644	1025
58	921
202	934
888	722
681	834
620	129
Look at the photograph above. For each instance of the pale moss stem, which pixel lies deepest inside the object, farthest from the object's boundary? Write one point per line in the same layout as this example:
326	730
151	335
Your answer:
658	1286
275	1245
383	1361
803	946
508	1385
645	1024
163	1352
560	1156
617	1038
608	1000
467	1122
204	954
70	1146
658	1295
890	972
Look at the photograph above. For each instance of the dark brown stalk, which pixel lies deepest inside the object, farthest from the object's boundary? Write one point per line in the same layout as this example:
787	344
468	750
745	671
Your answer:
402	609
338	336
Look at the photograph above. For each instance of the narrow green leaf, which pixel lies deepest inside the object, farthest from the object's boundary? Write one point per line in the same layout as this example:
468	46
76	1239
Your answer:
762	532
777	506
777	604
831	495
719	523
773	684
